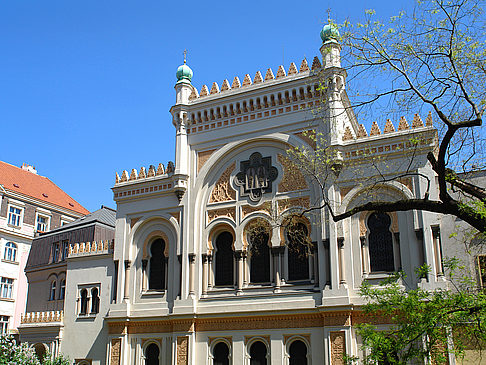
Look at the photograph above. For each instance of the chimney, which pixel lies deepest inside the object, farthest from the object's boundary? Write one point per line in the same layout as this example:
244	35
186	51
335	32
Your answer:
27	167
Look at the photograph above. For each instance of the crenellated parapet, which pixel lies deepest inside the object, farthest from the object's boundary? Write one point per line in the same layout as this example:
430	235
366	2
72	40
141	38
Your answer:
42	317
258	79
403	137
152	172
91	248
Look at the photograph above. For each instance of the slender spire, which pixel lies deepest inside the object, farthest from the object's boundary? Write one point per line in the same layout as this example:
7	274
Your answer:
329	15
185	56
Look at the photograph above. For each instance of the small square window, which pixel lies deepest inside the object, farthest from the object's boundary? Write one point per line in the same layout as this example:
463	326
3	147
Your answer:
42	223
14	215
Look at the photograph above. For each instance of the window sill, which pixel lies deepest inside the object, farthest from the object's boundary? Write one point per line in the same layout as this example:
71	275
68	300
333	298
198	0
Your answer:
153	293
7	299
13	226
378	275
86	317
10	262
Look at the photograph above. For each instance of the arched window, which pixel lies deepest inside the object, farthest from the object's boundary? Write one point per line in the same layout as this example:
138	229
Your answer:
152	353
84	302
62	289
52	295
10	252
258	238
40	351
157	265
221	354
380	242
298	353
258	353
298	255
224	259
95	301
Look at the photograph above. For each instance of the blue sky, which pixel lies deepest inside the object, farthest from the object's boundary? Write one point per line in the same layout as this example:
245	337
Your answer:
86	86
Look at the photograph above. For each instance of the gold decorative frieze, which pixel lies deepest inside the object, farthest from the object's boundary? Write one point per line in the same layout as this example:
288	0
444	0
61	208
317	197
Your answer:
407	181
223	212
133	221
293	178
251	338
301	320
182	350
223	191
202	157
345	190
338	347
306	336
362	224
309	137
248	209
285	204
115	351
176	215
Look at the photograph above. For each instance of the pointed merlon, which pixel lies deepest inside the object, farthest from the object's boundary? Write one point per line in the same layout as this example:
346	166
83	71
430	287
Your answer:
204	91
403	124
316	63
389	127
258	78
375	130
347	134
269	75
160	169
225	86
124	176
214	88
151	171
170	168
142	174
304	66
117	178
292	69
236	83
194	94
281	72
417	121
362	131
247	80
429	121
133	175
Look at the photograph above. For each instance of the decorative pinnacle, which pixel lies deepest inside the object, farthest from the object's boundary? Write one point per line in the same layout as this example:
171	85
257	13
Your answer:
185	55
329	15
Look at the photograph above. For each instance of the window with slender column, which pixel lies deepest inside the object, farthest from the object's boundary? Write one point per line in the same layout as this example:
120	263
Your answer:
95	301
221	354
157	265
84	302
380	243
62	289
52	293
298	253
6	288
258	353
224	260
297	353
152	353
258	238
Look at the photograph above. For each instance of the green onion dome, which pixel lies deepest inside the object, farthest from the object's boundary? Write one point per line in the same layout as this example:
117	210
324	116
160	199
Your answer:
329	32
184	72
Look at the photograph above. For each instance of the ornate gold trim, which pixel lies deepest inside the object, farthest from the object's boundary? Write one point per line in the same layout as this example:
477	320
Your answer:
203	157
292	179
223	191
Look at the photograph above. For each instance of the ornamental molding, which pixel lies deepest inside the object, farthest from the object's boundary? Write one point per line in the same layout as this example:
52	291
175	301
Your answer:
223	212
293	179
223	191
338	347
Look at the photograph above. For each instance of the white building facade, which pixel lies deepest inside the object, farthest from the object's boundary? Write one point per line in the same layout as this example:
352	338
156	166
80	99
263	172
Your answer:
196	284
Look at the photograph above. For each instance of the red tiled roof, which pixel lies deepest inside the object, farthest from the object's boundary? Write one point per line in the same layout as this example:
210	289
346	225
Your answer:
25	182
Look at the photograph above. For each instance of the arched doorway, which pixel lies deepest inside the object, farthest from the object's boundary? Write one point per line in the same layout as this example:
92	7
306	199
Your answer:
152	353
